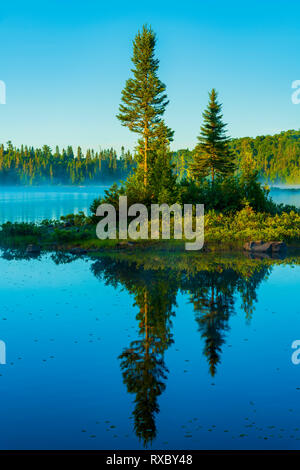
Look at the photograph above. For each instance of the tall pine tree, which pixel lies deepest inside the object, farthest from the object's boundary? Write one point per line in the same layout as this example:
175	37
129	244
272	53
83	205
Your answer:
212	155
143	98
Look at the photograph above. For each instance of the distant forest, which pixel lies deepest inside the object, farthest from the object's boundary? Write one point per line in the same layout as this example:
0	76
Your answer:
30	166
277	159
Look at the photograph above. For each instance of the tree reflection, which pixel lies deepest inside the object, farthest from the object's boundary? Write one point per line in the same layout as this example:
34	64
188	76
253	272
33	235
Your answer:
142	363
214	285
213	307
213	294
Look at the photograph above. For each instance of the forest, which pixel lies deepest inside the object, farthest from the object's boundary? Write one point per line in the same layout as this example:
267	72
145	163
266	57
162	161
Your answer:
276	158
30	166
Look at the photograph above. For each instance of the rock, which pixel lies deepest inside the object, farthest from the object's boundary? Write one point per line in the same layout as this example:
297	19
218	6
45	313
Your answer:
265	247
278	246
33	250
258	247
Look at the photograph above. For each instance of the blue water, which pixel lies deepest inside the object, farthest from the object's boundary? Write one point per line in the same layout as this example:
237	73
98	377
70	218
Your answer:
33	204
65	326
286	195
116	354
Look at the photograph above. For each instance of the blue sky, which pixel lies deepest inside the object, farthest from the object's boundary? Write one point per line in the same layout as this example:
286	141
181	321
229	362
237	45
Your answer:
65	63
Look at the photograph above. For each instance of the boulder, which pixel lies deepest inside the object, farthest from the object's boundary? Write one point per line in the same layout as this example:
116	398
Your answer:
278	247
265	247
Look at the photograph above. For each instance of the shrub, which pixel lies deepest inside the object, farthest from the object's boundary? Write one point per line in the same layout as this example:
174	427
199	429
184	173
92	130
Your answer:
20	228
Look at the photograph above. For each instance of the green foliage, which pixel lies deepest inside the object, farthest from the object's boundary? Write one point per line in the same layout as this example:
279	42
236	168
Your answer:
276	158
63	236
76	220
227	195
66	236
27	165
10	229
248	225
161	188
212	155
163	185
111	196
144	101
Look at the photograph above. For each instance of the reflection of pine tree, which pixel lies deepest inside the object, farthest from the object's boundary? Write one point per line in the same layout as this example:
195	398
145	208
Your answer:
247	286
213	309
214	303
144	373
142	363
154	287
144	370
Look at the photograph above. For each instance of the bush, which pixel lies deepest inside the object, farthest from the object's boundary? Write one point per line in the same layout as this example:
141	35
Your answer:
77	220
246	225
20	228
230	195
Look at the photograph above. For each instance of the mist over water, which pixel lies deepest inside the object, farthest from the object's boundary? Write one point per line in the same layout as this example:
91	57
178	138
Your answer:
33	204
286	194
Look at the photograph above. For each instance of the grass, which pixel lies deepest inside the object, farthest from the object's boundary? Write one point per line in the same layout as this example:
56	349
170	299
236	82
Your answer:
222	233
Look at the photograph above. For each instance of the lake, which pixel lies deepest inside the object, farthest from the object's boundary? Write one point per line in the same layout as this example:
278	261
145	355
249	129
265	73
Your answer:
286	195
117	354
33	204
131	351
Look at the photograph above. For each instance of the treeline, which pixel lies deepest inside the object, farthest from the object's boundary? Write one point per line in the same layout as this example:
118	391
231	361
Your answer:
275	157
32	166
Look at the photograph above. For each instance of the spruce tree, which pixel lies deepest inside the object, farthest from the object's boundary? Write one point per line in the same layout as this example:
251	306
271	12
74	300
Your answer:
143	98
212	154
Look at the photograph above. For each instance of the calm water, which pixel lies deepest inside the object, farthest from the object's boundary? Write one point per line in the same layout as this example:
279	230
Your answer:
33	204
103	354
155	352
286	195
37	203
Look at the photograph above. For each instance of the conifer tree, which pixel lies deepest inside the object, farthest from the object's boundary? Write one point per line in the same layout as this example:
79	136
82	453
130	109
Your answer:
212	154
143	98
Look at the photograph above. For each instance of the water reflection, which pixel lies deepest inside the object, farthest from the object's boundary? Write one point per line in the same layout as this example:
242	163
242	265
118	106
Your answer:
217	287
142	361
212	288
212	293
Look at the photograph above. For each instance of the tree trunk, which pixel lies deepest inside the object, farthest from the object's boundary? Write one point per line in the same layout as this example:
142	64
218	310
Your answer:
146	157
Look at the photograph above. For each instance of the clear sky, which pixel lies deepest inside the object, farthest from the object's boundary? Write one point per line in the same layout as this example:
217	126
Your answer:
65	63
